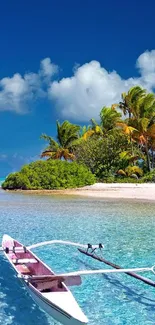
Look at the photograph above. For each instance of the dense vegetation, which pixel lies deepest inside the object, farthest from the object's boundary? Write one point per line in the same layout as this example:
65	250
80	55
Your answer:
50	175
120	147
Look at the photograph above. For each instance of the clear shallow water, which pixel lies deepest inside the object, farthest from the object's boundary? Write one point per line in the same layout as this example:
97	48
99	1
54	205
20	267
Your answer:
127	230
1	180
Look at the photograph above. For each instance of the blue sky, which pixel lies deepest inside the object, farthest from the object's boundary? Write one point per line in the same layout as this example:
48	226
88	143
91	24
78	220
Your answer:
65	60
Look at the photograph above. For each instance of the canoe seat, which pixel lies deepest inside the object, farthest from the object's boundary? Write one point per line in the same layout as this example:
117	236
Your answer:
45	285
15	249
23	269
54	285
24	260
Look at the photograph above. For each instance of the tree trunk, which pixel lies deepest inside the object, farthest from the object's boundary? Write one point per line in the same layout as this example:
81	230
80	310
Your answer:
132	152
129	114
148	158
152	165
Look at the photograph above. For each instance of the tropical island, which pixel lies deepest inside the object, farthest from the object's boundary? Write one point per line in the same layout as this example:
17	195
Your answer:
120	148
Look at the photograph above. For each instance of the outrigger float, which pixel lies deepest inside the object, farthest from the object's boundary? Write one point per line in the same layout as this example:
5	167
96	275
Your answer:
49	290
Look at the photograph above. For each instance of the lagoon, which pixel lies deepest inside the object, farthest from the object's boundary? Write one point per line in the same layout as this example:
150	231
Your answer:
1	180
126	228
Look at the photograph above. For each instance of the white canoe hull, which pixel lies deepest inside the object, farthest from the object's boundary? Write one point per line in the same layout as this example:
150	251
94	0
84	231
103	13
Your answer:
62	306
53	310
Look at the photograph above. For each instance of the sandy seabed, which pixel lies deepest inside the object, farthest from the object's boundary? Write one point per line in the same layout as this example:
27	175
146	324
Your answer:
104	190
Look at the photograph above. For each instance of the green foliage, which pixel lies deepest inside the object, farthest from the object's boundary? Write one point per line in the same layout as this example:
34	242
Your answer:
115	179
102	154
130	101
149	177
67	135
108	179
127	157
109	118
16	181
130	170
133	172
50	174
128	180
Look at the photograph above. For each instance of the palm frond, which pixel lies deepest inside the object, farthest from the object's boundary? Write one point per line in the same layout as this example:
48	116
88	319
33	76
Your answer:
109	118
121	172
52	143
88	134
143	124
49	154
93	122
130	99
67	132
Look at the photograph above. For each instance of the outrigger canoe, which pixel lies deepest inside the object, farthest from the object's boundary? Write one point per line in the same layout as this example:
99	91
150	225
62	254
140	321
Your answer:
49	290
53	296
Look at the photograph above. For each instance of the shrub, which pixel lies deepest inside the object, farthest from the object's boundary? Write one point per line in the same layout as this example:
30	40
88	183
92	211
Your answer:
128	180
131	170
16	181
149	177
102	154
50	174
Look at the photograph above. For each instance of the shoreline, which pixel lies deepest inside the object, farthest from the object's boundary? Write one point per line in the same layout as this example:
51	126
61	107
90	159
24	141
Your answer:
145	191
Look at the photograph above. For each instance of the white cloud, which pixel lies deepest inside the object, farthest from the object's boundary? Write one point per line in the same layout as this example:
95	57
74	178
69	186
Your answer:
14	92
79	97
83	95
48	69
146	62
146	66
91	87
17	91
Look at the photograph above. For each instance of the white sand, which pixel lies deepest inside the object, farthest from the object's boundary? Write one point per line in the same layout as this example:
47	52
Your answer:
119	190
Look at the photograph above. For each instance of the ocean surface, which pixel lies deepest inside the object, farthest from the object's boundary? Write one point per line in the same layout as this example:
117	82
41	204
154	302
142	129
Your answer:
1	180
126	228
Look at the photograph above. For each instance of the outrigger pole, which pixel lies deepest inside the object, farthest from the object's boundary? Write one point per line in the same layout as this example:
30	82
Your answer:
115	266
52	242
64	276
104	271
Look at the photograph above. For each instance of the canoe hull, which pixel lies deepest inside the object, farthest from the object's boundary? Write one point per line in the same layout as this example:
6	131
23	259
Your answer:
48	301
58	314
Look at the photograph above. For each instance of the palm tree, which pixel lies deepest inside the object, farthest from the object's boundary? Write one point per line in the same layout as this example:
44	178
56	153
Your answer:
143	120
109	118
144	134
128	131
130	100
145	107
67	134
90	130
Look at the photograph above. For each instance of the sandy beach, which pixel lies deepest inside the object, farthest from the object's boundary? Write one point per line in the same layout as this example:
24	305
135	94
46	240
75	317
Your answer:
104	190
121	191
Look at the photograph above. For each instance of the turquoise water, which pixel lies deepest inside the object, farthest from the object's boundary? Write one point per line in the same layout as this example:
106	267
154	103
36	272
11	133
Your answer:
2	179
127	230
